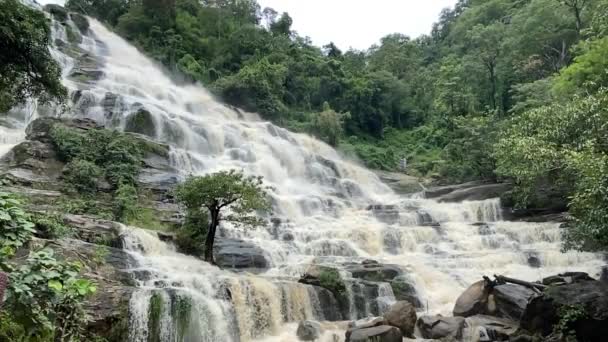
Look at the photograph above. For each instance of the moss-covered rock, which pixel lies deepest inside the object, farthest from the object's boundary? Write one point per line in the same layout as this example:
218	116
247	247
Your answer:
141	122
59	13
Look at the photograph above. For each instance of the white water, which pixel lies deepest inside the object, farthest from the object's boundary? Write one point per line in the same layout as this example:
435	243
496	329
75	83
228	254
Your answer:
322	202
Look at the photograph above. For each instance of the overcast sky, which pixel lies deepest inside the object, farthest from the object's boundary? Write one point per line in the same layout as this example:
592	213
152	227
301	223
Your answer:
359	23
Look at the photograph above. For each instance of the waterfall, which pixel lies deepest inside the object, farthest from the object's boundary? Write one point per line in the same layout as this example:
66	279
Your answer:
330	211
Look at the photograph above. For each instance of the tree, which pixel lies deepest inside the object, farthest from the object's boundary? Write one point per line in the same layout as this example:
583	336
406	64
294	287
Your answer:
27	69
328	124
227	196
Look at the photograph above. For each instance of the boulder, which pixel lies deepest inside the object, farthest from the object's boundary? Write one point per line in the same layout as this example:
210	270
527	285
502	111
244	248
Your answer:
383	333
590	296
510	301
402	315
484	328
141	122
87	69
403	289
437	327
330	305
567	278
239	254
309	330
472	301
94	230
80	21
372	270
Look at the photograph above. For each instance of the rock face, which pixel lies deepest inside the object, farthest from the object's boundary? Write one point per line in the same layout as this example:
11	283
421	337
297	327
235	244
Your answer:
510	301
399	182
309	330
475	193
402	315
383	333
239	254
141	122
590	296
436	327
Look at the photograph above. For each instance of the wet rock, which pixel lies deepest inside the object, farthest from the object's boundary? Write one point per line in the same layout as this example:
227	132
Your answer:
368	323
567	278
239	254
402	315
112	105
425	219
94	230
400	182
604	274
80	21
590	296
403	289
385	213
533	259
435	192
437	327
484	229
58	12
475	193
330	305
383	333
373	271
331	248
86	69
309	331
510	301
489	329
141	122
472	301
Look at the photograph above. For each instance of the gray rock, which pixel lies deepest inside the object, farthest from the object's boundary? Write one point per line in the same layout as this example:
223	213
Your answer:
435	192
239	254
400	182
472	301
58	12
402	315
329	304
510	300
436	327
309	330
403	289
141	122
385	213
591	296
567	278
484	328
80	21
383	333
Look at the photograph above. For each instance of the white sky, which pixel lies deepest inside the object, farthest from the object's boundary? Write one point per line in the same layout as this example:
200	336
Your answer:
359	23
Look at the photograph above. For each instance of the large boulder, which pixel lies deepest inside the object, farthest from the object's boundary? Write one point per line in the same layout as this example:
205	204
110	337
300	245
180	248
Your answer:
510	301
585	301
141	122
383	333
309	331
402	315
437	327
239	254
473	300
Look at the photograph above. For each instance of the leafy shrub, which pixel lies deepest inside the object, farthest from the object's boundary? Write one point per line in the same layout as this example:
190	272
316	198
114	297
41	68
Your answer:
125	206
16	229
51	226
330	279
83	176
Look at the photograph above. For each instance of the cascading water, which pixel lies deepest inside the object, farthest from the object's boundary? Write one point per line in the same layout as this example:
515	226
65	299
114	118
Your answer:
327	210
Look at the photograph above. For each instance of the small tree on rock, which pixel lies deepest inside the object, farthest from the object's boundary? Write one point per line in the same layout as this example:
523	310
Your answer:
225	196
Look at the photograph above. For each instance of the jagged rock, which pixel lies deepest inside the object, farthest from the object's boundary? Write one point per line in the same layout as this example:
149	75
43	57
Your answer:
472	301
489	329
402	315
437	327
591	296
383	333
58	12
141	122
510	301
309	330
475	193
239	254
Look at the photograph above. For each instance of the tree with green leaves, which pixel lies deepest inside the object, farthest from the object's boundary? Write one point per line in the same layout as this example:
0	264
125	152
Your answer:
328	124
225	196
27	69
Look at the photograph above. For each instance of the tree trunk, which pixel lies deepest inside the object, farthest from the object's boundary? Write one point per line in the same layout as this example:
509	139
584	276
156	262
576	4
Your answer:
210	239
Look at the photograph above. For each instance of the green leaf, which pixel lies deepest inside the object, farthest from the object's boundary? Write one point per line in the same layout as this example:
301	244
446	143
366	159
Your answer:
55	285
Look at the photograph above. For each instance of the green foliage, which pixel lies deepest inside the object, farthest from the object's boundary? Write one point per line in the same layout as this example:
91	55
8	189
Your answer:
568	316
588	73
190	238
563	145
51	225
330	279
27	68
80	206
154	316
16	229
45	295
125	201
327	125
101	252
225	196
82	175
